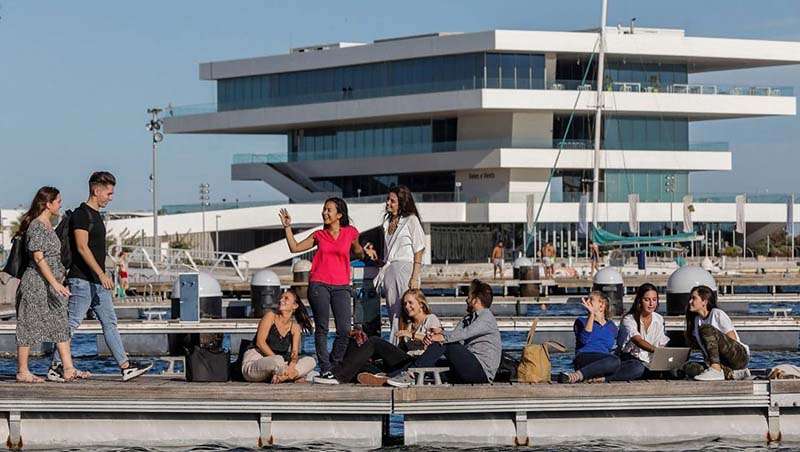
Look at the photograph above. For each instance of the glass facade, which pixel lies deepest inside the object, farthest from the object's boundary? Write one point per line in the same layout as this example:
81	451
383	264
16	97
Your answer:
623	74
652	186
371	185
615	185
388	78
624	132
371	140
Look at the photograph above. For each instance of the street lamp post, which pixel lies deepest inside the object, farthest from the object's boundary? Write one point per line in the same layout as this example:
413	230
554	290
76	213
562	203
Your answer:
669	187
458	191
154	127
204	191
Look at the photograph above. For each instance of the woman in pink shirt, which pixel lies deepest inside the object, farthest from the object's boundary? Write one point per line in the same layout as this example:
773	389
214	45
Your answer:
329	284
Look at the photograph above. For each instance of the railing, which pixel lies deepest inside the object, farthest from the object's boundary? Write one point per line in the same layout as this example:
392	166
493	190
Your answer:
463	145
172	260
474	84
676	88
418	197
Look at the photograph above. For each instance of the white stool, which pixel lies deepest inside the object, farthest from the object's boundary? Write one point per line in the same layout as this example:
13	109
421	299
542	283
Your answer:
420	373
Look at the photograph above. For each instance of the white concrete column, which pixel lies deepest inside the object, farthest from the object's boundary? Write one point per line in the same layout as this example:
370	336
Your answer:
426	257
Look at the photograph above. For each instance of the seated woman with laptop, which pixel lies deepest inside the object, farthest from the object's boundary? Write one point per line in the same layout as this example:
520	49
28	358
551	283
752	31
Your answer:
641	332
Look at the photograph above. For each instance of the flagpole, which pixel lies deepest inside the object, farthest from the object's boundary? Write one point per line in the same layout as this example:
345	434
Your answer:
598	118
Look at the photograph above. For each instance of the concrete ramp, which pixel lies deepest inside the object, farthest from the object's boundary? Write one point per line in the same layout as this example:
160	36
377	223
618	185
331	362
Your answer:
362	216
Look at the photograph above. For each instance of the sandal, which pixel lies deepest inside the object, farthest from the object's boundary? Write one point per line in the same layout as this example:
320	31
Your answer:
71	374
29	378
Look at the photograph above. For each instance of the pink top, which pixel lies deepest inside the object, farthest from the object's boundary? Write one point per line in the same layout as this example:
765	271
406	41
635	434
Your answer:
331	264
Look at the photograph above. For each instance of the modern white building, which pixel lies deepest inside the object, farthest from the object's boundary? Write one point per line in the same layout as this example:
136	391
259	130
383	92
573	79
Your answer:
474	123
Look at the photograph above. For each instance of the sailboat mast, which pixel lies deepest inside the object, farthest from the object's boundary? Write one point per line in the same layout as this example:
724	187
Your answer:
598	118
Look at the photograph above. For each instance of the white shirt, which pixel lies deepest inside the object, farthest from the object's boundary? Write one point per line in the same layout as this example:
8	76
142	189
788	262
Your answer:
408	239
414	346
719	320
656	335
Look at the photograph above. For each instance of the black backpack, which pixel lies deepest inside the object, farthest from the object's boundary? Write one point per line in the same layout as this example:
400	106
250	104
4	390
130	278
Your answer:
17	260
63	231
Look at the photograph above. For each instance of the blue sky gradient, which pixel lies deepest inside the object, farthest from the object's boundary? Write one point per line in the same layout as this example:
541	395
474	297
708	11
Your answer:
77	77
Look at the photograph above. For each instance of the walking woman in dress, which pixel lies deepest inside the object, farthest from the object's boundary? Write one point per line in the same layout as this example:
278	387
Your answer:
42	296
274	354
329	282
404	245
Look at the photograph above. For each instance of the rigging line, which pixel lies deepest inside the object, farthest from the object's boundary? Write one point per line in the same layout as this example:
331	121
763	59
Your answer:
564	136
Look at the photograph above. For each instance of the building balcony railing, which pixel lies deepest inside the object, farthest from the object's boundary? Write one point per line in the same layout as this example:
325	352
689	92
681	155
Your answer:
450	146
472	84
675	88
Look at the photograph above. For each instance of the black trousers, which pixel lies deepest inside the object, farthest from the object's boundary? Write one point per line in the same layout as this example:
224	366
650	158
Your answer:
357	358
464	366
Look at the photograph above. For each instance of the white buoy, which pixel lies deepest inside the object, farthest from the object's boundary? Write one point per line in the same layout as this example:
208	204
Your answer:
609	281
265	291
680	285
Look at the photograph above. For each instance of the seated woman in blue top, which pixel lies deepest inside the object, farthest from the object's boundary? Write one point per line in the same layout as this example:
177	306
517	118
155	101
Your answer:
595	341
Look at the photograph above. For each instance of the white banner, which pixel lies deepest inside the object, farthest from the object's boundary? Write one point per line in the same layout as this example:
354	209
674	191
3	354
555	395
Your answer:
633	213
741	200
688	208
583	215
530	212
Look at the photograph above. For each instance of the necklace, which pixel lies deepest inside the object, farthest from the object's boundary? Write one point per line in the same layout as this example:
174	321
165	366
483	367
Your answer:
393	224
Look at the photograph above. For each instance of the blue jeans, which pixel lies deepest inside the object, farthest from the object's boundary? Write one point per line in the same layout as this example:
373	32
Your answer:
593	365
630	368
85	295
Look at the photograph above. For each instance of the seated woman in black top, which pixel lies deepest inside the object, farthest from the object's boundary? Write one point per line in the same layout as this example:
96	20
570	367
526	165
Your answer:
416	319
274	355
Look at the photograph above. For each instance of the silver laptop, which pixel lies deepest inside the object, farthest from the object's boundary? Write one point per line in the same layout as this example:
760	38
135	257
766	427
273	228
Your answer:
668	358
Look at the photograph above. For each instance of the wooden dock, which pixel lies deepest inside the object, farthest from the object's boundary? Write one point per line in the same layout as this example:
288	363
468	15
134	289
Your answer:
159	412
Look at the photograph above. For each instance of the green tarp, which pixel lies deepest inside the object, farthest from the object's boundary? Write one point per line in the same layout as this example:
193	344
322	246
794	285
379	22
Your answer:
603	237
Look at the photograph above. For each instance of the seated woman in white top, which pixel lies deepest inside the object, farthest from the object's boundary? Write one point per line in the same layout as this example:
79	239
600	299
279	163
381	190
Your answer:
641	331
711	330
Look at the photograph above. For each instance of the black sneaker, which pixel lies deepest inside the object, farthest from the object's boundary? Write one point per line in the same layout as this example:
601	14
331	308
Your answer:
135	369
326	379
56	373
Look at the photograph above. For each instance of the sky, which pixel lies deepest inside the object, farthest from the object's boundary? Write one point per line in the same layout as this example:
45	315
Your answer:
76	79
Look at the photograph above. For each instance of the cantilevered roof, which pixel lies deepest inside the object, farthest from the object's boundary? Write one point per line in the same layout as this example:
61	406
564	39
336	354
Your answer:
667	45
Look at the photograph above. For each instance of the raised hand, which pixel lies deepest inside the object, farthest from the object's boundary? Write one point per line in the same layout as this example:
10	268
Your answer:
587	304
286	219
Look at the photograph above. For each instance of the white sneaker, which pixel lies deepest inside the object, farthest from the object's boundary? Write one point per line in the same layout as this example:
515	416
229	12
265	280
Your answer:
403	380
311	375
711	374
326	379
741	374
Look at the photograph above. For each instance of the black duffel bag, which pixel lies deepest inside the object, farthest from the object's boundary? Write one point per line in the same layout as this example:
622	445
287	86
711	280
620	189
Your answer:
206	364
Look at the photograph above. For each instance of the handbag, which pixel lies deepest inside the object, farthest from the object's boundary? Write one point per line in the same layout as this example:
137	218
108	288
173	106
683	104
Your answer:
207	364
534	366
17	260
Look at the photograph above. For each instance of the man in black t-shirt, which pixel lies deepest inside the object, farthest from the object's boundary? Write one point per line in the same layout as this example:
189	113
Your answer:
89	284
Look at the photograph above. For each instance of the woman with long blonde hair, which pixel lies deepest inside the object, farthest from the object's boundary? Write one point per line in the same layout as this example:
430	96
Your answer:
416	320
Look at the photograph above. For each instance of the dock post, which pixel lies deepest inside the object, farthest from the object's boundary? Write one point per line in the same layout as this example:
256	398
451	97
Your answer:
773	423
521	424
14	430
265	427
